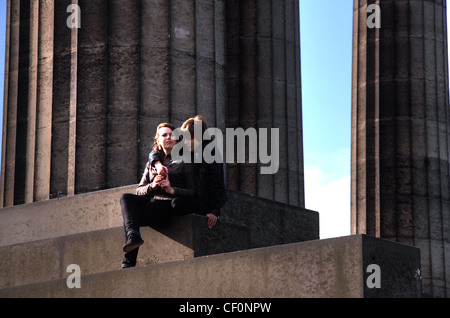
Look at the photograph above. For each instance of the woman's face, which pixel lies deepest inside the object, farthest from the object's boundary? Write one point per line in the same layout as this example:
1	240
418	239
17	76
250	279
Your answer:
165	139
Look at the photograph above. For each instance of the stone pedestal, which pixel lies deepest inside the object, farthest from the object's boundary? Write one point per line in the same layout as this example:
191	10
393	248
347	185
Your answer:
332	268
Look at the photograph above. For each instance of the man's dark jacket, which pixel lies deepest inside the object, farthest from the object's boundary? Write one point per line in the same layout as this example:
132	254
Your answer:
209	182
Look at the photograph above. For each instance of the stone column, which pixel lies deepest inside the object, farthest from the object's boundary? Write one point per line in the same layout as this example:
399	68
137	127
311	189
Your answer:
23	107
44	101
183	63
63	147
265	84
154	72
92	97
205	59
401	132
220	63
32	98
10	107
264	92
123	93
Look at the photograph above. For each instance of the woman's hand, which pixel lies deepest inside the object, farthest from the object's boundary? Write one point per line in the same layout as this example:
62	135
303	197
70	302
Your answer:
212	220
157	181
165	185
162	170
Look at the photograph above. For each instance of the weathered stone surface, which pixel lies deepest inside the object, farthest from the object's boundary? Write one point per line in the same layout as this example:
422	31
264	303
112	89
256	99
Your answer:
322	268
60	217
101	251
269	222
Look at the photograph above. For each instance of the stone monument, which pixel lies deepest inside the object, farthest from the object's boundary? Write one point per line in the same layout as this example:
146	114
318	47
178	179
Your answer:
87	82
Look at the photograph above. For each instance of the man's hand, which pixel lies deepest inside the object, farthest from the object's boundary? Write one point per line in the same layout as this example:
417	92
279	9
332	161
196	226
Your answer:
212	220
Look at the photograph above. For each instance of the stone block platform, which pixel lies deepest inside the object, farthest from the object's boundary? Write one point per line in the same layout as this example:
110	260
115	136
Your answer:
100	251
269	222
38	241
338	267
260	248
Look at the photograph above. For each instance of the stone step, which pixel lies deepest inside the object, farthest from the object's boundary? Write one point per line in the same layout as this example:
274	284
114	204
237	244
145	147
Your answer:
351	266
270	222
63	216
100	251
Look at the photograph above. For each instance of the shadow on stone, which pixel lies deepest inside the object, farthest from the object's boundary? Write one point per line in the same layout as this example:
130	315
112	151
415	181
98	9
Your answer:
192	231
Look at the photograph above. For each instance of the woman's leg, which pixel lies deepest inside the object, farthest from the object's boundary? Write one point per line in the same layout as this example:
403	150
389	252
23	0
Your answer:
136	215
130	258
131	209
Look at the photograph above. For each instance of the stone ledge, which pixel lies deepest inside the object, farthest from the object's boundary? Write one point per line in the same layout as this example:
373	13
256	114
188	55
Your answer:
270	222
100	251
63	216
321	268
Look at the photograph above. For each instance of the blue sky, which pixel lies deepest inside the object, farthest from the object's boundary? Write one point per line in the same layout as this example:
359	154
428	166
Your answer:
2	64
326	54
326	48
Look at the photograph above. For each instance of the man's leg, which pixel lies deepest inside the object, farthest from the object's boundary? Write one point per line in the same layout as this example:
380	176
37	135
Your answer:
183	205
156	212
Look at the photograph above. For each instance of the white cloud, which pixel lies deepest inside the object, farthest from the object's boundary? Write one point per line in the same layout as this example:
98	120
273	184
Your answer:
327	191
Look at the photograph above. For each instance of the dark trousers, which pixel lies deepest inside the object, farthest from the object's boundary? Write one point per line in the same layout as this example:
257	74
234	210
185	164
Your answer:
138	211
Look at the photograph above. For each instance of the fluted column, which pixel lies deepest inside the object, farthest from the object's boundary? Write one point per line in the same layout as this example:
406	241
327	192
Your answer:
63	108
32	98
10	107
205	59
44	101
182	60
264	92
265	84
401	132
92	96
154	72
123	93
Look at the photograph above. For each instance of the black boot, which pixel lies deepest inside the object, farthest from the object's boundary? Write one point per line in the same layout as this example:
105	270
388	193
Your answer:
129	259
134	240
127	265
